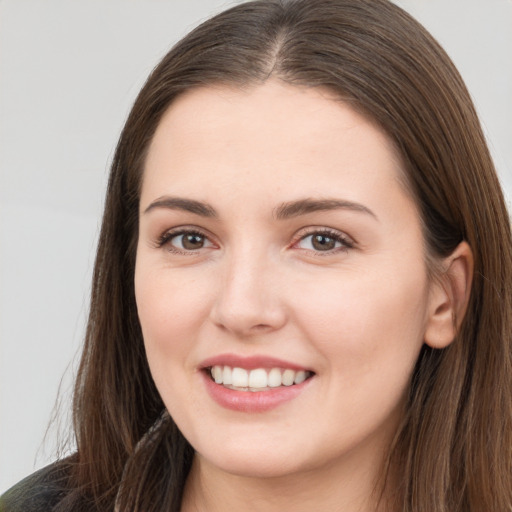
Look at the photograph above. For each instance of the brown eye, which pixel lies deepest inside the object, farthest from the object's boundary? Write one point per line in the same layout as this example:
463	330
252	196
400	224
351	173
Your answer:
323	242
188	241
191	242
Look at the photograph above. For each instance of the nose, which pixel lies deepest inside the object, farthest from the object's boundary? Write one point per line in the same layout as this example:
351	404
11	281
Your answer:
250	297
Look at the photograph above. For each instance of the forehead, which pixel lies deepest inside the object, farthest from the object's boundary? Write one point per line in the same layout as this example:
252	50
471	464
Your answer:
273	134
275	106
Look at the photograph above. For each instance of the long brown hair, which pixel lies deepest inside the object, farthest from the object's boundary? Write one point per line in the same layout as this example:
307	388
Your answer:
454	448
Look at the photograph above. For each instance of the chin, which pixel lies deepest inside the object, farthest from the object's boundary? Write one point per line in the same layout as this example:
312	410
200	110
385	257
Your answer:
258	455
254	465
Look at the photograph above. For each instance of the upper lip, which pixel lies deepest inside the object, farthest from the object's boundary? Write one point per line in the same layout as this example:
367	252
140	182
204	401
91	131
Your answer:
250	362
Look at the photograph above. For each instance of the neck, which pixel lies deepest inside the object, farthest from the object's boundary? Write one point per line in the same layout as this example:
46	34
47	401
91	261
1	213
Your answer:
209	489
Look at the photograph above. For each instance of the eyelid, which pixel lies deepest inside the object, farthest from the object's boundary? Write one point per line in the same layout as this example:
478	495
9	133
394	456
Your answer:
166	236
347	241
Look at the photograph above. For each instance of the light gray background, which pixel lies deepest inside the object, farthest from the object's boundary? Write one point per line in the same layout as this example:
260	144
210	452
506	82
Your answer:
69	71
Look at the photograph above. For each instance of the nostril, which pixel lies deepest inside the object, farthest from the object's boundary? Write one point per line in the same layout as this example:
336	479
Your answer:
261	327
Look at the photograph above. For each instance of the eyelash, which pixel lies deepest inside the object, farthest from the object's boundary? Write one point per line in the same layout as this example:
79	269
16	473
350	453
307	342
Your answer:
338	237
345	241
165	238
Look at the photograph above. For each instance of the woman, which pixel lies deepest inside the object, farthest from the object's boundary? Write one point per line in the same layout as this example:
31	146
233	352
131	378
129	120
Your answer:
300	297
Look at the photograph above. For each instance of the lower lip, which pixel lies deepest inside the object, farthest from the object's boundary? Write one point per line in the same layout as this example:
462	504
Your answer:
252	401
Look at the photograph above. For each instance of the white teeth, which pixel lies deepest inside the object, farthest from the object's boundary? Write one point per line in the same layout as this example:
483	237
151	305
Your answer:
299	377
257	379
287	378
240	378
226	375
274	378
217	374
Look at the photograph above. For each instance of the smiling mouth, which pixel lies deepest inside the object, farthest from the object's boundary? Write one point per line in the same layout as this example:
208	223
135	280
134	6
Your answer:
257	379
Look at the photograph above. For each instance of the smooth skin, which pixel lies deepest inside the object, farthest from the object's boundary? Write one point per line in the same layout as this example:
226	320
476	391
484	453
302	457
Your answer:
225	264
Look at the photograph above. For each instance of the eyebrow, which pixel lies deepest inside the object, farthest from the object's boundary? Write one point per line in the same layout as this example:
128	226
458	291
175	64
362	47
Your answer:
188	205
284	211
305	206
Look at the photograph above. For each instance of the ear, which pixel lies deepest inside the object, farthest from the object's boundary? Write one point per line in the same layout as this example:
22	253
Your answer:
449	297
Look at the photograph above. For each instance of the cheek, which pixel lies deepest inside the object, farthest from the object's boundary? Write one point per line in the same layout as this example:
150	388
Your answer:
370	337
171	309
366	322
171	312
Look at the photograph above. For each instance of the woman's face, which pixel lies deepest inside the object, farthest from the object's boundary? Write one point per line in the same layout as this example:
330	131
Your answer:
280	252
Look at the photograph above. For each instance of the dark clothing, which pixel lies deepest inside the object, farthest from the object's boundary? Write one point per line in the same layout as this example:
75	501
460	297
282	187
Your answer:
51	490
39	492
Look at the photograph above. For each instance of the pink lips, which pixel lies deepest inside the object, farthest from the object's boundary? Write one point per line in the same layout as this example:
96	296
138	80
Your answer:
249	363
250	401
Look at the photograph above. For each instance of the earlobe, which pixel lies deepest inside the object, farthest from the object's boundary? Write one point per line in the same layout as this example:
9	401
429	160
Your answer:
449	297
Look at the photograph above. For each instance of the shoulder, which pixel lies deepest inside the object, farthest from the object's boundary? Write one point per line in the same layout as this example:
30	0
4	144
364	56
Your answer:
39	492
